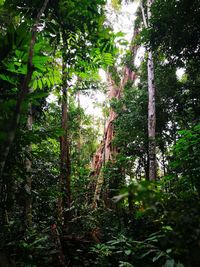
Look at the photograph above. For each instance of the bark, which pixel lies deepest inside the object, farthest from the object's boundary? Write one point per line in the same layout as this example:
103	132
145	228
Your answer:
65	164
151	109
22	94
151	119
151	102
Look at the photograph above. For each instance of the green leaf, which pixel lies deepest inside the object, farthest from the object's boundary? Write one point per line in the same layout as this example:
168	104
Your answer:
51	79
48	83
108	59
128	252
22	69
44	80
35	84
125	264
120	34
6	78
169	250
167	227
158	256
147	253
40	84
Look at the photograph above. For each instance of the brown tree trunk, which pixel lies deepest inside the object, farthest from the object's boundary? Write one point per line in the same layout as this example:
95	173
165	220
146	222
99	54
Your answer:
22	94
65	164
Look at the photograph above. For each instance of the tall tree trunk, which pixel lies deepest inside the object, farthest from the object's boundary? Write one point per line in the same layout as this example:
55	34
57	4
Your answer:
65	164
151	101
151	109
22	94
151	119
106	151
79	134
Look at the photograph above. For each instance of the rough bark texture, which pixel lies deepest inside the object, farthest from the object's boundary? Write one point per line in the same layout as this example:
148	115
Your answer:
151	109
22	94
151	119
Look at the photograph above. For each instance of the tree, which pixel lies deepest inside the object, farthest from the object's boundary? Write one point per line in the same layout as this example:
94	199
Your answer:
23	93
151	101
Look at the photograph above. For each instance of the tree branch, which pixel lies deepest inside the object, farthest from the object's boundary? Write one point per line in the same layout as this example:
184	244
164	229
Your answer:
143	16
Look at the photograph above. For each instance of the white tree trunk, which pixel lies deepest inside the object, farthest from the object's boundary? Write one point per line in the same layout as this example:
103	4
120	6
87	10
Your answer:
151	118
151	101
151	108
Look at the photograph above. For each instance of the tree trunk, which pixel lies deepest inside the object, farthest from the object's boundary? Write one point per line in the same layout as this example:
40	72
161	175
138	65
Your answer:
79	135
22	94
151	102
151	108
65	164
107	152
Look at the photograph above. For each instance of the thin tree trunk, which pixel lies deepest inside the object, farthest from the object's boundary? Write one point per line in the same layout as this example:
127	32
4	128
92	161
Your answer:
151	101
65	164
23	93
79	134
65	155
151	119
151	109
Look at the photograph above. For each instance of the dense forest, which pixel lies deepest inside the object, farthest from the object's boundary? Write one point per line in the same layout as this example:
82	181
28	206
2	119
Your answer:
116	186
